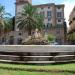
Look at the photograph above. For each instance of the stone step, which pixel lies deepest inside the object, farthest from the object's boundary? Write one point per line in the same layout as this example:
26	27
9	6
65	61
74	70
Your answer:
64	56
10	61
35	62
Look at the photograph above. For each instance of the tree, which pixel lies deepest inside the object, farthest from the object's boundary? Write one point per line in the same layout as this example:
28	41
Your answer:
71	38
3	17
5	23
13	23
28	19
39	22
8	25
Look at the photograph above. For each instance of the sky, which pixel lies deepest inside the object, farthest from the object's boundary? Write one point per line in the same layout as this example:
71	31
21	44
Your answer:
69	4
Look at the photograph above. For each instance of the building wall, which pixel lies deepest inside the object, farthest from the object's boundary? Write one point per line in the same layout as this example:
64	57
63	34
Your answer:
72	20
54	19
54	10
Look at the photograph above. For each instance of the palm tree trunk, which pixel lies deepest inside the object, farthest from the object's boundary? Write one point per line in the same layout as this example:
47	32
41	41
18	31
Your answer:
29	31
29	28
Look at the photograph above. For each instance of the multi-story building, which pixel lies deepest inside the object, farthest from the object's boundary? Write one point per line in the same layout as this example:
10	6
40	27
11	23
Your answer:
53	17
72	20
71	30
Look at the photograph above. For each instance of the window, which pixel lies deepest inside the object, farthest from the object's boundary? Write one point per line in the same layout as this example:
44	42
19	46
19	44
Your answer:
3	39
44	26
48	7
21	0
58	7
59	14
70	22
20	34
42	13
11	40
19	41
58	31
59	20
48	13
49	25
74	8
74	18
49	19
42	8
59	26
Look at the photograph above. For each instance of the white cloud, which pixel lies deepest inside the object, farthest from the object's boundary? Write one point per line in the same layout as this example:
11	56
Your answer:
69	5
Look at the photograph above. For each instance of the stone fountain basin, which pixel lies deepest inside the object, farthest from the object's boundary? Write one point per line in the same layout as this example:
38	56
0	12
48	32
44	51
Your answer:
35	41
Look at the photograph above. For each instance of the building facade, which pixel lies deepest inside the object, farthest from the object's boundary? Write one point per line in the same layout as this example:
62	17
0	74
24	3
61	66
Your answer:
72	20
53	18
71	31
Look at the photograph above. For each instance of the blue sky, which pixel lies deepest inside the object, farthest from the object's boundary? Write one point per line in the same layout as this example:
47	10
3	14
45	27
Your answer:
10	4
69	4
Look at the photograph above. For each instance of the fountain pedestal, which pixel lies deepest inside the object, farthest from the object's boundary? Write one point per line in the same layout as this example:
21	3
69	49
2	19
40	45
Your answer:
35	39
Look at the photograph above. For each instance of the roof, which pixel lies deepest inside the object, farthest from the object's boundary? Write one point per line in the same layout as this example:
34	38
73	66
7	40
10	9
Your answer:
48	4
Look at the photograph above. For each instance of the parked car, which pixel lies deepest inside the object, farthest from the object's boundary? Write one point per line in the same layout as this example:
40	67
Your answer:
54	43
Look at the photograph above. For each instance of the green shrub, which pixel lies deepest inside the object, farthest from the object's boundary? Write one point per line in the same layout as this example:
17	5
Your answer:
50	38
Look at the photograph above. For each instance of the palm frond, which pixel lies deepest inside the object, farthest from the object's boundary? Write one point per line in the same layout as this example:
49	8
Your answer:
28	19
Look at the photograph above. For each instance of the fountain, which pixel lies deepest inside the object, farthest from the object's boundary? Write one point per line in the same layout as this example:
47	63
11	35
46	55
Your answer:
36	39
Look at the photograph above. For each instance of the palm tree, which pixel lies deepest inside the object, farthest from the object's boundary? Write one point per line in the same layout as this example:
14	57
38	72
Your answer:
3	20
3	17
28	19
8	25
39	22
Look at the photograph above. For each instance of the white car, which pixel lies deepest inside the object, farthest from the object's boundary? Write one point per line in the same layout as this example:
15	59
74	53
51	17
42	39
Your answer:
54	43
